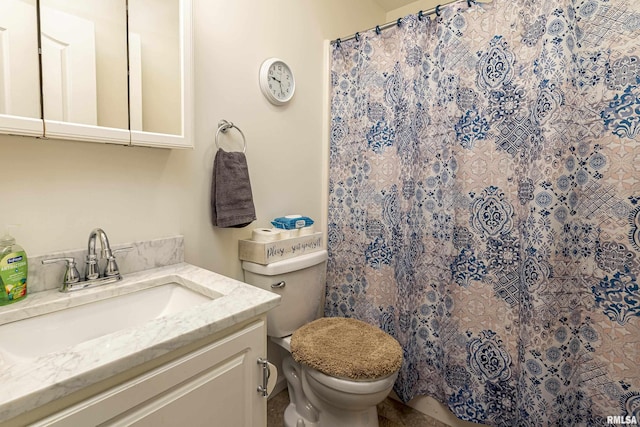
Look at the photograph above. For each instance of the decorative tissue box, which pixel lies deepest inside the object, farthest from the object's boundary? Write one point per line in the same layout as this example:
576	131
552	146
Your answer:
268	252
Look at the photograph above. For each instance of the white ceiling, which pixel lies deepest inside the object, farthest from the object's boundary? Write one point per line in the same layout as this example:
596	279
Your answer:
389	5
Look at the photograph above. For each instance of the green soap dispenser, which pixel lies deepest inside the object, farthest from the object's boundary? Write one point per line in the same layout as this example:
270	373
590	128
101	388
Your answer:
13	270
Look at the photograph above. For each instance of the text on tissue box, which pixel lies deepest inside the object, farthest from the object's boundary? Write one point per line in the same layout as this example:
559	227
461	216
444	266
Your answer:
268	252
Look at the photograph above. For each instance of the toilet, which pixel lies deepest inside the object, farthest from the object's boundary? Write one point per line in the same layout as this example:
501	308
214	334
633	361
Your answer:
337	369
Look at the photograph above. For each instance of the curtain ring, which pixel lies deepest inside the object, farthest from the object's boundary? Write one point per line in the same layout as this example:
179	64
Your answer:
438	10
378	30
399	21
469	3
338	41
420	16
357	37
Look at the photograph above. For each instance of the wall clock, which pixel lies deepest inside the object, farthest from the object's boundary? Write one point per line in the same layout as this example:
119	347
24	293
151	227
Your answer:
276	81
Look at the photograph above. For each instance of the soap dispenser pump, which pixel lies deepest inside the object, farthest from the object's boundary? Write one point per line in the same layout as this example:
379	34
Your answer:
13	270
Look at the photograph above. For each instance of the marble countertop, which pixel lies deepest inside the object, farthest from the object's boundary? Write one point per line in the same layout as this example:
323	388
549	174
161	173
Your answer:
28	384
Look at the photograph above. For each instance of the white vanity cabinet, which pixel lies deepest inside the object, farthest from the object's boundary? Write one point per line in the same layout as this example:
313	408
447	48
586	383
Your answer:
213	385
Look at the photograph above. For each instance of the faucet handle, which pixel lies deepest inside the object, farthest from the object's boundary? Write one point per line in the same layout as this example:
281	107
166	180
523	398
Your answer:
111	269
91	269
71	275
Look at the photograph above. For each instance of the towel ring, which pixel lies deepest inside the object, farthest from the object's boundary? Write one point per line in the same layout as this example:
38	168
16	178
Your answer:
223	126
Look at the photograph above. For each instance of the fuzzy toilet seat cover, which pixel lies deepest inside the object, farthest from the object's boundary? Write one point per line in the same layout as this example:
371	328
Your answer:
346	348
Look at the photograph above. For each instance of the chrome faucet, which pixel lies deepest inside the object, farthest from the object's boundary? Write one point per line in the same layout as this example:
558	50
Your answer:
72	282
92	259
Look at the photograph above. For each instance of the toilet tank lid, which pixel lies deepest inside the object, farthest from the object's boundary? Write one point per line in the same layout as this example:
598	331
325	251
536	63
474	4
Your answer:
287	265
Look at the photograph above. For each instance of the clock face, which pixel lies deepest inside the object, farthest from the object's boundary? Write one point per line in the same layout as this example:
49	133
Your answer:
276	81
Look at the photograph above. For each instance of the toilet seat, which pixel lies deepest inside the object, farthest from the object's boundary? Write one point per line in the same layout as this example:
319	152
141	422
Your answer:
346	385
344	348
353	386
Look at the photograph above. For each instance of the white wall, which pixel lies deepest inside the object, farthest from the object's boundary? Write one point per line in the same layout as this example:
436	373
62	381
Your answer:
413	8
59	191
425	5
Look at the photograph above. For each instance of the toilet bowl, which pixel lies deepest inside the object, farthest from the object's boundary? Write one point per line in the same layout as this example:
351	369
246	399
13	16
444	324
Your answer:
329	384
344	402
319	400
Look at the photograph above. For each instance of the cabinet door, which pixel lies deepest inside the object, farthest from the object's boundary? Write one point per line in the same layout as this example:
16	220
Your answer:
19	69
214	386
160	72
84	70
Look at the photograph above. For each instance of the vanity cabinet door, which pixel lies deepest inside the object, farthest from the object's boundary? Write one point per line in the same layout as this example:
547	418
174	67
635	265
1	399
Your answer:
19	69
84	70
213	386
160	72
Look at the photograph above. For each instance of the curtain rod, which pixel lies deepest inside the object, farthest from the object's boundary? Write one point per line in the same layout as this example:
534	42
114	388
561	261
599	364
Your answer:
398	22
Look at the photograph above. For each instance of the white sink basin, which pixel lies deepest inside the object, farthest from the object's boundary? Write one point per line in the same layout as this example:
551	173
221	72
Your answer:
47	333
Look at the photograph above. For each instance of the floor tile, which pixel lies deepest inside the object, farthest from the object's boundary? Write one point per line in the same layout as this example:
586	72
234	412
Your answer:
391	413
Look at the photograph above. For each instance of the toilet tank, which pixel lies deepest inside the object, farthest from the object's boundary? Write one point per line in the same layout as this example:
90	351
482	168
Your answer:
300	281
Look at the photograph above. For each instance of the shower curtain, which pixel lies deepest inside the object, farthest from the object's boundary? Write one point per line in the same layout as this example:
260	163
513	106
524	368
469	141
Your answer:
484	206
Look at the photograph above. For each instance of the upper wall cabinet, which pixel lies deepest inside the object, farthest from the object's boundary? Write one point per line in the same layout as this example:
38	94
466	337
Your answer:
19	69
84	70
160	72
93	91
106	74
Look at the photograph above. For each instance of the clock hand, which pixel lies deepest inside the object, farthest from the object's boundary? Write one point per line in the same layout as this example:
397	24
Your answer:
279	82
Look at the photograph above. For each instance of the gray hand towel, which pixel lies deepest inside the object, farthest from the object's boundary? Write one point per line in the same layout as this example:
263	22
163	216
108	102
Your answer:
231	197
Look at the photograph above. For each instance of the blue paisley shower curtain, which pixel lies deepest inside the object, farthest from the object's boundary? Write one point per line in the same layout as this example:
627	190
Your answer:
484	206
